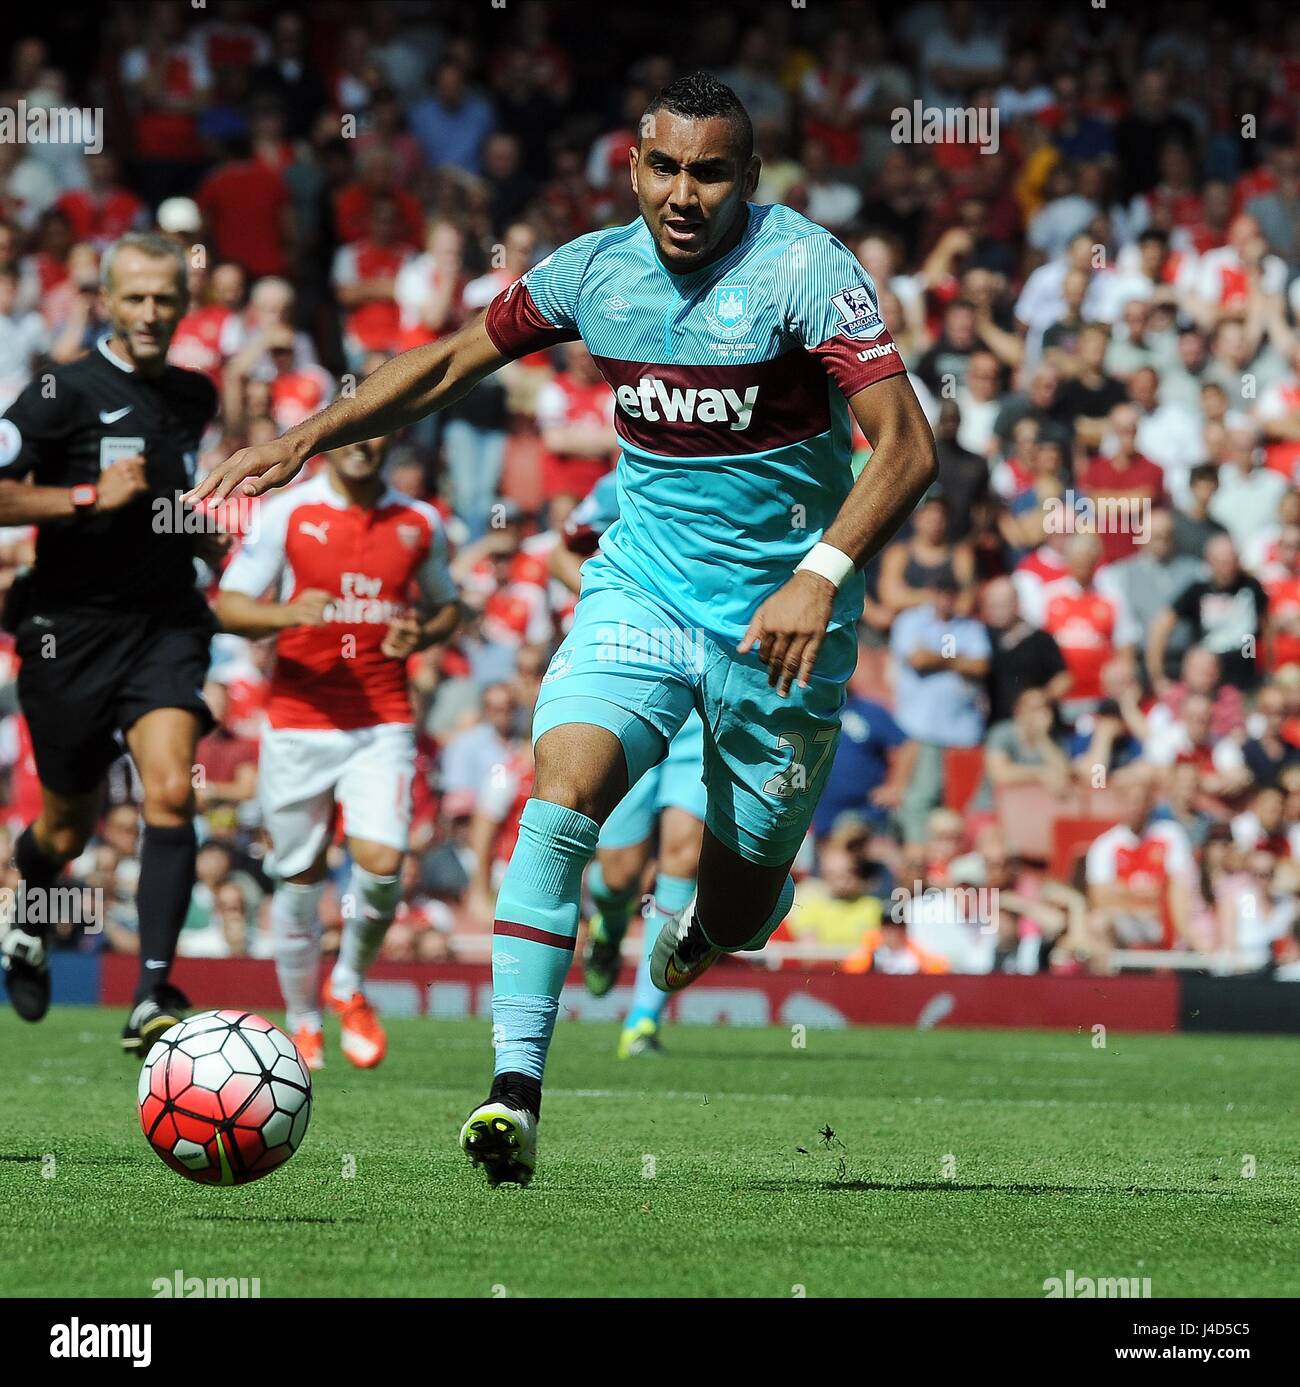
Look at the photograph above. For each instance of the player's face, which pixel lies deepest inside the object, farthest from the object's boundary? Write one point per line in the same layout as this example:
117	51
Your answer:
144	302
691	187
358	462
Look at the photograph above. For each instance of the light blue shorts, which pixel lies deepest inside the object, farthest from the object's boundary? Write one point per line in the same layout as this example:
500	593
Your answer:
677	782
630	665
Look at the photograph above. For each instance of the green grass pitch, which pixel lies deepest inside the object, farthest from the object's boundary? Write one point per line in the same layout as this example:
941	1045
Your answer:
961	1163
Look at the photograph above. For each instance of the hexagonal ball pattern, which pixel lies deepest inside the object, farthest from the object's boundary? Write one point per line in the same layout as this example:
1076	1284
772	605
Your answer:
191	1154
240	1055
224	1078
211	1071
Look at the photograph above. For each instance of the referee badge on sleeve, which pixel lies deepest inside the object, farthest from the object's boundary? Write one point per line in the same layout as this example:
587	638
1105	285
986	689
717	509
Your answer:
113	450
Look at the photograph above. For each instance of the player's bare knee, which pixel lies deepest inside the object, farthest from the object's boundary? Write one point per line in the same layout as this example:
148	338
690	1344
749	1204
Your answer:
580	768
377	858
622	868
679	847
568	794
168	795
566	781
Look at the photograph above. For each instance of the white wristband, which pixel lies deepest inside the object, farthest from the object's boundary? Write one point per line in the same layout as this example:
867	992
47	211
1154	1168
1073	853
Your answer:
828	562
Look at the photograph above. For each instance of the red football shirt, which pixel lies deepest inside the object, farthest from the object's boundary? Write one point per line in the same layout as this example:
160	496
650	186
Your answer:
374	561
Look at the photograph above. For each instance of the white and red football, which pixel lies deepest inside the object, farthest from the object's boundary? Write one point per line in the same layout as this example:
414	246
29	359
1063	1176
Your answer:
225	1097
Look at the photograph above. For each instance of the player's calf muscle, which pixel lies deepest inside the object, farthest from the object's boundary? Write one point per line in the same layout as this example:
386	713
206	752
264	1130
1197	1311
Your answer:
736	896
62	841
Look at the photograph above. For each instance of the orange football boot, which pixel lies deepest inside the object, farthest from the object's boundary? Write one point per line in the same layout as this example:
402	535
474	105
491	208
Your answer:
311	1046
363	1041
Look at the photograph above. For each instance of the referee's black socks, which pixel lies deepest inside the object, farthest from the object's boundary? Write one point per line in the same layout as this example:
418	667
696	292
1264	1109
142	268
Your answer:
39	873
162	900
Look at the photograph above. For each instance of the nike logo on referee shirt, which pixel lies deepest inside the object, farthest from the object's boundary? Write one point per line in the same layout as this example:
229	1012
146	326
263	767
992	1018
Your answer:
111	416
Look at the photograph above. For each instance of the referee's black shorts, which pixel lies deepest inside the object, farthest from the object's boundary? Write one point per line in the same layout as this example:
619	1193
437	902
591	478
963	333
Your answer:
87	676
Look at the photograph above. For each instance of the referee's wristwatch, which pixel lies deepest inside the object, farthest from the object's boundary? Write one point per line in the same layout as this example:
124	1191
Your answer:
85	497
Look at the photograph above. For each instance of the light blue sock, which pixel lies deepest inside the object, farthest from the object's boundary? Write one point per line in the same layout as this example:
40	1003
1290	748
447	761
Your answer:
614	906
671	895
536	925
782	908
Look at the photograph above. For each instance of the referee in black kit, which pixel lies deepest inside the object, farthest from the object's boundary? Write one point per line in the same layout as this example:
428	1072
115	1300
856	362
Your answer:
112	631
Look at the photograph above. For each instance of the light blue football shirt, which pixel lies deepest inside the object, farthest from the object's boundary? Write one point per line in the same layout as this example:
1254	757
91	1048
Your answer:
730	385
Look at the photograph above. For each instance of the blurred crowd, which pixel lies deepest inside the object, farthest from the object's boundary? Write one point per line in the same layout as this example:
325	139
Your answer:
1094	617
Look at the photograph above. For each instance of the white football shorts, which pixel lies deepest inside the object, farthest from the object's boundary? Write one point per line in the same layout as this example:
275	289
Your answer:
303	772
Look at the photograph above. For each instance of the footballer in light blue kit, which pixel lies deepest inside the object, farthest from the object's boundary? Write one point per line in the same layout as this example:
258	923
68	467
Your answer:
737	340
670	795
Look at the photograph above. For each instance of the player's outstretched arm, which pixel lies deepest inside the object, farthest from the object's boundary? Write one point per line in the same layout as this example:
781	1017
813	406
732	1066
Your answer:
790	626
405	389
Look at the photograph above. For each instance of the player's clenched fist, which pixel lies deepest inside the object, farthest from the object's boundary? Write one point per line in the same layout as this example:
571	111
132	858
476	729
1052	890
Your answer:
789	629
308	608
251	471
121	483
402	638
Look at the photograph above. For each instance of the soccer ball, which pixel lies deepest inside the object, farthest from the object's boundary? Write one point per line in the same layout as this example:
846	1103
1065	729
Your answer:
224	1097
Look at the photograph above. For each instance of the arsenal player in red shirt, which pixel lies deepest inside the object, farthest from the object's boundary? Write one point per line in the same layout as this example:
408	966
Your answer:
358	582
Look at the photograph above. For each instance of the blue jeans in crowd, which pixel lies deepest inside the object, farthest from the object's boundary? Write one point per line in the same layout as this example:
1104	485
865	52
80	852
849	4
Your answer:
475	458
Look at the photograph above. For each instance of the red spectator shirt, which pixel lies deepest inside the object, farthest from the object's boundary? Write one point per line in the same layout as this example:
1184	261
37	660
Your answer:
1283	604
373	561
49	272
164	131
1255	183
516	609
25	799
1086	625
563	402
1283	454
1032	578
100	220
1102	479
375	325
503	801
352	212
532	564
221	753
1162	853
244	203
297	395
196	344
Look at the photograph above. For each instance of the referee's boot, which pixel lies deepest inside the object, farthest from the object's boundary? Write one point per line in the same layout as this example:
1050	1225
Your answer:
162	1009
26	965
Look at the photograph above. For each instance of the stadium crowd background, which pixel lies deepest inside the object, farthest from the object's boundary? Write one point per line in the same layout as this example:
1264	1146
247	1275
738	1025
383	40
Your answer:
1101	303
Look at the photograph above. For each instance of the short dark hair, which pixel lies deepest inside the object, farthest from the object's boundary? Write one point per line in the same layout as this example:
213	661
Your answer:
701	96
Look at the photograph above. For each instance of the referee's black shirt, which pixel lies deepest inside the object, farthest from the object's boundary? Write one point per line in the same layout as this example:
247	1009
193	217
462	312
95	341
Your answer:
67	426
